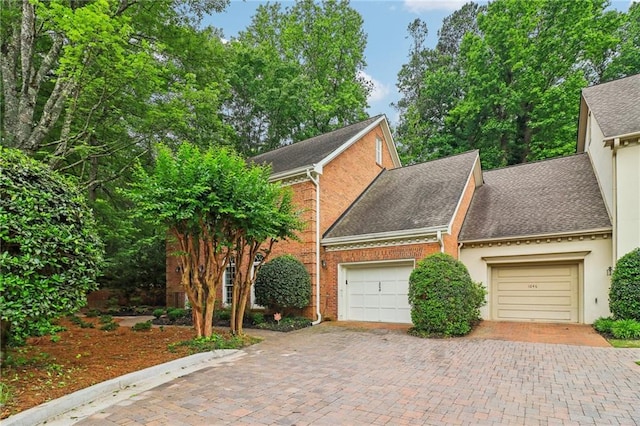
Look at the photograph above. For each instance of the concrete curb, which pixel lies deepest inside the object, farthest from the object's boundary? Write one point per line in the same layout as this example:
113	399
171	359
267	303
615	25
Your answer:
74	407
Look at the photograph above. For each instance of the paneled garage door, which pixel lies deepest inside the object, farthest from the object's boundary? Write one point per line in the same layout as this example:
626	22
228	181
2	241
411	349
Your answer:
546	293
378	293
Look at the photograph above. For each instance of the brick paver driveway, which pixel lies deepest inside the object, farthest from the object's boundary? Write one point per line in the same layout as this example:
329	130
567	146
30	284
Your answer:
335	375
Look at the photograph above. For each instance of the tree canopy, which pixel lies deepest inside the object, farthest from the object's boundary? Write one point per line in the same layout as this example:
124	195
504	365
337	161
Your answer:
506	78
218	210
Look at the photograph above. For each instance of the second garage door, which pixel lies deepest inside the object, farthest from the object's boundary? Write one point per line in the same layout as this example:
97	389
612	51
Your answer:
545	293
378	293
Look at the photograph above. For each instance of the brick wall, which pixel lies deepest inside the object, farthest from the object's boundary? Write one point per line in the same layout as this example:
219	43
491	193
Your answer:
451	240
333	259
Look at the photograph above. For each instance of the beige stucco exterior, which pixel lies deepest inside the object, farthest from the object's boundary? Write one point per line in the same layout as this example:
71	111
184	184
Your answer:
591	252
627	195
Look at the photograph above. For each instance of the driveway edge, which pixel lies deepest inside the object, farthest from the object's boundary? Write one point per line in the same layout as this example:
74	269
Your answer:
74	407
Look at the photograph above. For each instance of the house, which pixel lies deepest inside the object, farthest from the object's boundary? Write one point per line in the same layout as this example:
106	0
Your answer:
542	237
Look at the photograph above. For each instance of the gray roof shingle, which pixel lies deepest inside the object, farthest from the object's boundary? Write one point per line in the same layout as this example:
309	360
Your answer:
414	197
615	105
310	151
547	197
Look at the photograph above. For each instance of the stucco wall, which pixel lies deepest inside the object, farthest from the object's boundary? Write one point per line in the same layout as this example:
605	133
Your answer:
602	159
594	255
628	199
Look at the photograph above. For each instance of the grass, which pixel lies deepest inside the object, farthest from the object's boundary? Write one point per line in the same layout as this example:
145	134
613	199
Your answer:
621	343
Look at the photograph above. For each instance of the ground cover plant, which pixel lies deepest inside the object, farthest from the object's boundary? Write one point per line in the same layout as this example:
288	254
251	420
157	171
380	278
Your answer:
49	367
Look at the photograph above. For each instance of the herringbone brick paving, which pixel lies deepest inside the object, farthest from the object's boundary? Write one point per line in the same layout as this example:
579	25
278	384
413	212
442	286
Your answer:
329	375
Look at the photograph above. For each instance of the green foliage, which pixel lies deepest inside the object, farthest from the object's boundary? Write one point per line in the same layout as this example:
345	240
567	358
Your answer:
142	326
213	342
50	254
257	318
289	323
176	313
624	294
223	314
92	313
603	325
158	312
105	319
282	283
444	300
506	78
295	73
628	329
6	393
110	326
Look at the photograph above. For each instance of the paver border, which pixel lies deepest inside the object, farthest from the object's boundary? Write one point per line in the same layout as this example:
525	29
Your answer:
82	403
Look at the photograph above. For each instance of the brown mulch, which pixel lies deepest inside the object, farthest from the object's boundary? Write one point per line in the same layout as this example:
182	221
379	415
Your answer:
44	370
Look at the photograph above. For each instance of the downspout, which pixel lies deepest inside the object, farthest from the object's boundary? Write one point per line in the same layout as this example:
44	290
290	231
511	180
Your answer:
440	241
316	182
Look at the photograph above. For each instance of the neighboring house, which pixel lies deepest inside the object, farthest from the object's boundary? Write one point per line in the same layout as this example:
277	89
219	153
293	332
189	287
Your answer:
542	237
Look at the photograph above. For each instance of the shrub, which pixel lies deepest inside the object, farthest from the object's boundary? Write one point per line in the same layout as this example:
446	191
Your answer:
257	318
110	326
158	312
92	313
603	325
50	254
142	326
624	294
176	313
444	300
223	314
626	329
105	319
283	283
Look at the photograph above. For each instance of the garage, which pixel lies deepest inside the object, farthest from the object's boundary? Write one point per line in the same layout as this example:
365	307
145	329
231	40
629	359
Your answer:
378	293
543	293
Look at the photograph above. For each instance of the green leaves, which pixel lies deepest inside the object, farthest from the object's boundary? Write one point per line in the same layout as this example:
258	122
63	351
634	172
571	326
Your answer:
282	283
624	294
50	255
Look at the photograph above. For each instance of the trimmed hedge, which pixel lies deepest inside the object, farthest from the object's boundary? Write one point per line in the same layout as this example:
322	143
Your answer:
624	294
283	283
444	300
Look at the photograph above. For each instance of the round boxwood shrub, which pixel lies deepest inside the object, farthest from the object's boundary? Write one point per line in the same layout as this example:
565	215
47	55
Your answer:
283	283
624	294
50	254
444	300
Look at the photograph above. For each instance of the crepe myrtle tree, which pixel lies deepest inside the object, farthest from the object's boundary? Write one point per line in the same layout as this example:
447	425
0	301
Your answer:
50	254
217	208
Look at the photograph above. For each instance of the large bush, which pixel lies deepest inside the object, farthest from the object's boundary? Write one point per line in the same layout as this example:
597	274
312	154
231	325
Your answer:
624	294
283	283
444	300
49	250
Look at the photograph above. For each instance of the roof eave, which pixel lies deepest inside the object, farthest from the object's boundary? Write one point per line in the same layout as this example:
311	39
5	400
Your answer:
366	238
300	171
607	230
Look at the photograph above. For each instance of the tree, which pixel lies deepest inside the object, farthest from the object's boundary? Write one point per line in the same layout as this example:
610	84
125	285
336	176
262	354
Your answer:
50	254
297	74
217	209
625	60
505	78
283	283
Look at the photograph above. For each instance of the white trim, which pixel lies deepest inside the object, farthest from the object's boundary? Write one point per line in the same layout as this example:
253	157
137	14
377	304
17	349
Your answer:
515	260
316	168
389	235
606	232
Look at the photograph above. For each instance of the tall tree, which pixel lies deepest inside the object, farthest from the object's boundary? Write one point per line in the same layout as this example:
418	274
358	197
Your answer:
298	73
218	209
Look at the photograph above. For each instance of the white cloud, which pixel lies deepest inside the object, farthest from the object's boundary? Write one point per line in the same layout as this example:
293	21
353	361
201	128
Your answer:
419	6
379	90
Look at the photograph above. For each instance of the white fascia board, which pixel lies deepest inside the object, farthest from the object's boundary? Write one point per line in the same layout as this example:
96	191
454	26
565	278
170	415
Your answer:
541	236
300	171
390	235
350	142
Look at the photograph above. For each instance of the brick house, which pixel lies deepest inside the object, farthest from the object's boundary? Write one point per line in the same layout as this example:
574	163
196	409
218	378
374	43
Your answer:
540	236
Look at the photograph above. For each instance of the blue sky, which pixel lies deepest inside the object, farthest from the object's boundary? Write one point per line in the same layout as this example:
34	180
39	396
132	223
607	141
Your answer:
385	23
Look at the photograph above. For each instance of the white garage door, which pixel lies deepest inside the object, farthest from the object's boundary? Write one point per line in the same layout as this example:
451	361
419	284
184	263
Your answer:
545	293
378	293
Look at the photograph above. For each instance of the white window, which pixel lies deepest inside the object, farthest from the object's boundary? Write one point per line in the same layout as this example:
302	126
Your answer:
378	150
227	291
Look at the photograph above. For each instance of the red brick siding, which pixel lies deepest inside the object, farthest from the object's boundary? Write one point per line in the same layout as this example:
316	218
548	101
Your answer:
349	174
451	241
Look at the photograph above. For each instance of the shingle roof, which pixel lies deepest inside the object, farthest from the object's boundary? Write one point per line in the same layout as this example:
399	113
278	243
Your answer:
408	198
310	151
615	105
547	197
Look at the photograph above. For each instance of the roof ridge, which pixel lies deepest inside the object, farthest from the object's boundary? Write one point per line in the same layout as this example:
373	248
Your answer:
511	166
436	160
